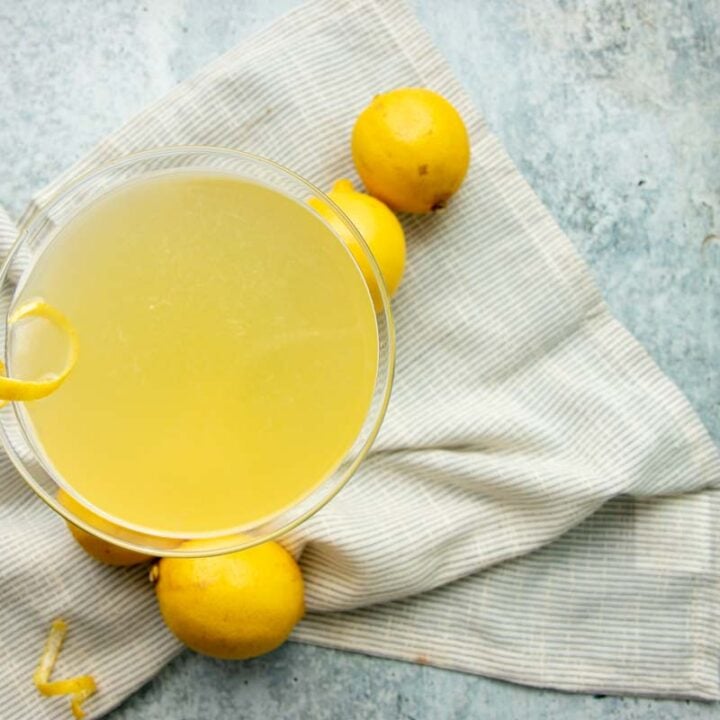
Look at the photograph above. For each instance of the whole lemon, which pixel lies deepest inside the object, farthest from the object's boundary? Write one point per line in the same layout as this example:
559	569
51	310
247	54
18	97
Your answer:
99	549
233	606
411	149
378	226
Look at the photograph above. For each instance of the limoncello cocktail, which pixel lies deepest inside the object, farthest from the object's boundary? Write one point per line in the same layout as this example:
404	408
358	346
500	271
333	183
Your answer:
228	353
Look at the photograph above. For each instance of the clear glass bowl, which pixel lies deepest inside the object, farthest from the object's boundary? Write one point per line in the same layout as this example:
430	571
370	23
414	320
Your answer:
40	228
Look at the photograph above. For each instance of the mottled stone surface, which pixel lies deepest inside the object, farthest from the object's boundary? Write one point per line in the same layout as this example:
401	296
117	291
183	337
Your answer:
611	109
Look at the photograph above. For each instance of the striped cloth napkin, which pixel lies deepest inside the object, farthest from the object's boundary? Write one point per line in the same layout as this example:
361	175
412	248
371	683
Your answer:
541	504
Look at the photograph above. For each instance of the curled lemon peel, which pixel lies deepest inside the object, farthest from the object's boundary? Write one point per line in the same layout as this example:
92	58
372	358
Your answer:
81	683
80	687
77	701
54	642
12	389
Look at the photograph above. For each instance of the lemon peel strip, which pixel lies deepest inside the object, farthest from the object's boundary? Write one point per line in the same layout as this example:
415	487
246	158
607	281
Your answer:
54	642
11	389
81	683
76	703
80	687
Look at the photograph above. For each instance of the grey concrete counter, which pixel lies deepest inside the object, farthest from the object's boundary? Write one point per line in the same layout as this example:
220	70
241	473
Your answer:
610	109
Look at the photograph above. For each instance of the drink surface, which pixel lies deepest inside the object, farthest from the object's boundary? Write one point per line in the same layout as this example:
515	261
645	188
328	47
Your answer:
228	353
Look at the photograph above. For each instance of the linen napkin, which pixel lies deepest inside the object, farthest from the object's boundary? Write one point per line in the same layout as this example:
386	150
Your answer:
541	504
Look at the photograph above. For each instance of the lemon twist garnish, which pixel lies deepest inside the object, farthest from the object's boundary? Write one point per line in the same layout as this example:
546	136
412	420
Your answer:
80	687
50	652
12	389
77	700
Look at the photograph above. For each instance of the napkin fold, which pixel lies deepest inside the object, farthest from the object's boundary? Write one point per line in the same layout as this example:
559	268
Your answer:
542	502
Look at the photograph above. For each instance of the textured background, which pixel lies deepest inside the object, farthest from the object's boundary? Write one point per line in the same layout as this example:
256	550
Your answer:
611	109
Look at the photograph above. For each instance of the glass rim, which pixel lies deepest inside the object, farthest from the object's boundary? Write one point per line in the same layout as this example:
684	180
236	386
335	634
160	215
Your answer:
236	539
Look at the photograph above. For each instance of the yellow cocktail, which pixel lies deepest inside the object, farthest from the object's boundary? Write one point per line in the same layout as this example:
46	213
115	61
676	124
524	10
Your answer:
228	353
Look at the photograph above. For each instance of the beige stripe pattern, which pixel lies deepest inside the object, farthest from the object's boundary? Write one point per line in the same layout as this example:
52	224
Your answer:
541	504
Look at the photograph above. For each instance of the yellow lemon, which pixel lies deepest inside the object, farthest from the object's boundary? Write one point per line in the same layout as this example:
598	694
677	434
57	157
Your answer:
99	549
378	226
233	606
411	149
